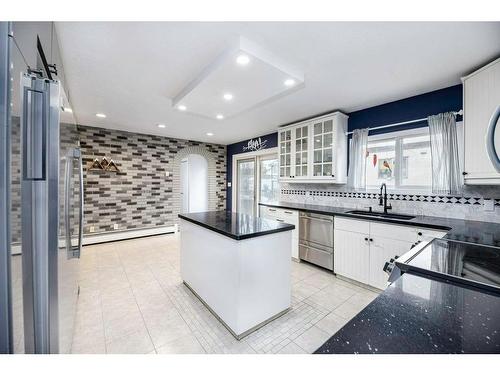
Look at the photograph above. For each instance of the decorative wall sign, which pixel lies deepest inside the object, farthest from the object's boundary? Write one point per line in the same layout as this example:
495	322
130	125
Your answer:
103	165
255	144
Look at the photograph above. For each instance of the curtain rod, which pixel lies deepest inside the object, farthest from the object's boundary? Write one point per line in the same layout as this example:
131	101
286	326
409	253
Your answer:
406	122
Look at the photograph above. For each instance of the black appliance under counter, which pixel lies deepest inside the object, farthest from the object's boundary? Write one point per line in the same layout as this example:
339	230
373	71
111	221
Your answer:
234	225
422	315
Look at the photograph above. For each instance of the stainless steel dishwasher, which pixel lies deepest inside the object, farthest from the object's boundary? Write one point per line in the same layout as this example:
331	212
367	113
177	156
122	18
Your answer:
316	239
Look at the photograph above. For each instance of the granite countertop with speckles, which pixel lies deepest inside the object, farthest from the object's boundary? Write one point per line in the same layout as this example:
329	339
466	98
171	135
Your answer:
422	315
478	232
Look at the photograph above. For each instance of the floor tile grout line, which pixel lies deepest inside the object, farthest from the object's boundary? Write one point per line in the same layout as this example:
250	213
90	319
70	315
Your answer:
175	307
137	304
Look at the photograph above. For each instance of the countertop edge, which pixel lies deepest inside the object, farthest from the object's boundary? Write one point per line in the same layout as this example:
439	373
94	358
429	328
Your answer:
362	217
286	227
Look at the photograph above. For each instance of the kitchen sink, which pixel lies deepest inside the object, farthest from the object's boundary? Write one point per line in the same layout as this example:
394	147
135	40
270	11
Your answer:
382	215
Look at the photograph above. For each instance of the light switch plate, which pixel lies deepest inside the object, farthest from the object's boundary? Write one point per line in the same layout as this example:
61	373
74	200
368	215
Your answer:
228	184
489	205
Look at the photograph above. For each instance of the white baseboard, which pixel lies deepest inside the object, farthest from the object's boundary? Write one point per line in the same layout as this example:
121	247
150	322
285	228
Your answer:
92	239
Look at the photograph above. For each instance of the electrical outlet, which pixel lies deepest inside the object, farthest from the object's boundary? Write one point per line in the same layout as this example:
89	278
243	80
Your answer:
92	229
167	174
115	226
488	205
229	184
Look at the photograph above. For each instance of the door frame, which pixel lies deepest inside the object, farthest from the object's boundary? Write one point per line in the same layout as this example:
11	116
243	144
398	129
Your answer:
6	334
249	155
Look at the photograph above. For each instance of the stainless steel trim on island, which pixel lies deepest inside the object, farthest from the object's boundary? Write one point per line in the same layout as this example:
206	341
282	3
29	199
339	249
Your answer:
238	266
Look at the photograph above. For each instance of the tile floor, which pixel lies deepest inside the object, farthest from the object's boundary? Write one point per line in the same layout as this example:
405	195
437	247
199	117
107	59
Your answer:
132	300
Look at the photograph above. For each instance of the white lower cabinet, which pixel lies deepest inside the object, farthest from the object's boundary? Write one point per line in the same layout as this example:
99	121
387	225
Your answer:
351	255
381	250
284	215
361	247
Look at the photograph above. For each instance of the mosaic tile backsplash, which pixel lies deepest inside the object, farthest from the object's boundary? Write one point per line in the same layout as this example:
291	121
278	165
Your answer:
470	205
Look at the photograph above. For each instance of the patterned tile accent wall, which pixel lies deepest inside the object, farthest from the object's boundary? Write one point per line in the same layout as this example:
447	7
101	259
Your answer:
467	206
141	195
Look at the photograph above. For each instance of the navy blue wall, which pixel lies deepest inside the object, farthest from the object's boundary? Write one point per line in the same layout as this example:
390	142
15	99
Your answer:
271	140
415	107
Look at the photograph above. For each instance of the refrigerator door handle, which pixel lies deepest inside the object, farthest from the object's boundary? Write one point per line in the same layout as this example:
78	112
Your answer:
80	214
34	123
67	201
490	140
74	154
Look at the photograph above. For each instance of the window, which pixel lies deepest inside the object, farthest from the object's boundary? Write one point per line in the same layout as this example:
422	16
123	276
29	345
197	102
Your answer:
402	160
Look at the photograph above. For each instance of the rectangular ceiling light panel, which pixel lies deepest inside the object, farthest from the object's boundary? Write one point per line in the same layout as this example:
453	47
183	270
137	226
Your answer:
243	78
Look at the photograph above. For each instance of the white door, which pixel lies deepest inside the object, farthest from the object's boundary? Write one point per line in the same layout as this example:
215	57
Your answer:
381	250
246	170
351	255
481	99
185	185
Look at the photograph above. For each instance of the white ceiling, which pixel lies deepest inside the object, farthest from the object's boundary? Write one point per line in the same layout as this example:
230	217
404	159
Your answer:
259	81
132	71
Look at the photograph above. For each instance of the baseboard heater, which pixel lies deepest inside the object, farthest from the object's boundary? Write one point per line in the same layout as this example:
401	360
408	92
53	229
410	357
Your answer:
92	239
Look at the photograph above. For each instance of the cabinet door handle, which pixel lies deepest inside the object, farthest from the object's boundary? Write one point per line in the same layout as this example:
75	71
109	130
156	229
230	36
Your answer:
419	233
288	212
280	220
366	238
371	239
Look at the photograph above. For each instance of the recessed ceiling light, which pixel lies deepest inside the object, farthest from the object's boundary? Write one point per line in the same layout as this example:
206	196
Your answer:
289	82
100	115
181	107
210	134
161	125
243	59
228	96
219	117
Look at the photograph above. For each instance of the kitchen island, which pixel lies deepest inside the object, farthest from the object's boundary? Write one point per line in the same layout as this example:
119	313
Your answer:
238	266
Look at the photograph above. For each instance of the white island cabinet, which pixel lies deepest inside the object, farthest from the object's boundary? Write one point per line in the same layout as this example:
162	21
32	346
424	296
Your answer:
238	266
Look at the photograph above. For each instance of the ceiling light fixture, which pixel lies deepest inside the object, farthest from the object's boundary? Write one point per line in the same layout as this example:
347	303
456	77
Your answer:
228	96
242	59
161	126
219	117
68	109
100	115
210	134
181	107
289	82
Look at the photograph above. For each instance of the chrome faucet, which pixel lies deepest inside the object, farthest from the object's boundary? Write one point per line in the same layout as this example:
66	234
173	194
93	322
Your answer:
383	198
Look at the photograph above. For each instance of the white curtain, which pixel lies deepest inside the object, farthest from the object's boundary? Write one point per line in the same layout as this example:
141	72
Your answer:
446	177
357	159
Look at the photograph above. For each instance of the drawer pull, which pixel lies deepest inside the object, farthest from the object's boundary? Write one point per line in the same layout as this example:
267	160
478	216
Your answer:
280	220
289	212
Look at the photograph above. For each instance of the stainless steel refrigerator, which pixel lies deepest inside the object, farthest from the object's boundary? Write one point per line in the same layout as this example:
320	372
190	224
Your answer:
41	182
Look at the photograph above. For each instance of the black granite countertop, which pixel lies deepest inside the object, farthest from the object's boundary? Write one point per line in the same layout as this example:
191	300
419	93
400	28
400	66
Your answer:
422	315
236	226
478	232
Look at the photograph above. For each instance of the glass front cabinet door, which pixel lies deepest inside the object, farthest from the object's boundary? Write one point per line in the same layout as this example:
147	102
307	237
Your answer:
285	151
315	151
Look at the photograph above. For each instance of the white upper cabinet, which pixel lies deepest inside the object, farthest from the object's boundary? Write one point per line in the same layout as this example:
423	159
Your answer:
481	100
314	150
